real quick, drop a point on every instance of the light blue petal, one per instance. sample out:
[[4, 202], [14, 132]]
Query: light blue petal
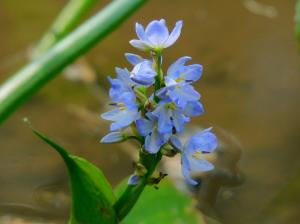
[[125, 120], [164, 119], [178, 121], [133, 180], [122, 118], [118, 87], [128, 98], [143, 73], [144, 126], [124, 76], [157, 33], [139, 44], [140, 32], [194, 108], [173, 70], [176, 143], [199, 165], [113, 137], [205, 140], [112, 115], [133, 59], [183, 94], [186, 171], [154, 141], [192, 72], [174, 35]]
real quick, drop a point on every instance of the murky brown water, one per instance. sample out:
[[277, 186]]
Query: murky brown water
[[250, 88]]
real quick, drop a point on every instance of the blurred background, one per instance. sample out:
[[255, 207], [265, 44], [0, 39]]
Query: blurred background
[[250, 89]]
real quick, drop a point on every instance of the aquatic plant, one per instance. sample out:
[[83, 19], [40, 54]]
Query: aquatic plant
[[156, 105], [151, 107]]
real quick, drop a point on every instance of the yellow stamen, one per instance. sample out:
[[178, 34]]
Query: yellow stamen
[[122, 108], [171, 106], [121, 104], [196, 157], [198, 152], [179, 79]]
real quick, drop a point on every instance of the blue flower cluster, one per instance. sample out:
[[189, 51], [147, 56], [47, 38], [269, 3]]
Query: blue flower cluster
[[156, 104]]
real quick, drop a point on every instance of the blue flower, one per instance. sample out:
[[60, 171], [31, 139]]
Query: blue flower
[[169, 116], [120, 85], [178, 79], [125, 113], [153, 139], [192, 159], [156, 36]]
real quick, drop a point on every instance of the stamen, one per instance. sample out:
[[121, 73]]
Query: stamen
[[121, 104], [196, 157], [179, 79]]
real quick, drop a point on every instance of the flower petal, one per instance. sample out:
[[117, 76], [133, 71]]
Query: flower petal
[[205, 140], [154, 141], [140, 32], [178, 121], [193, 108], [144, 126], [139, 44], [113, 137], [185, 168], [192, 72], [133, 59], [157, 33], [176, 143], [173, 70], [183, 94], [199, 165], [174, 35], [164, 119]]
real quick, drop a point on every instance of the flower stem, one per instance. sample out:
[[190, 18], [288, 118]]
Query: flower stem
[[131, 194], [158, 79]]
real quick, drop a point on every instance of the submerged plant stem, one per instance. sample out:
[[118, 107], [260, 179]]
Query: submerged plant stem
[[132, 192]]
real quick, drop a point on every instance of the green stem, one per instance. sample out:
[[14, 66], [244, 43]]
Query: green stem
[[132, 193], [158, 79], [32, 77], [297, 21], [65, 23]]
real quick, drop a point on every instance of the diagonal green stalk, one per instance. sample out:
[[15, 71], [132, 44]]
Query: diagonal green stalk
[[65, 23], [297, 21], [132, 193], [32, 77]]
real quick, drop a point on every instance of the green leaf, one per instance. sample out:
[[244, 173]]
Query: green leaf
[[92, 195], [163, 205]]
